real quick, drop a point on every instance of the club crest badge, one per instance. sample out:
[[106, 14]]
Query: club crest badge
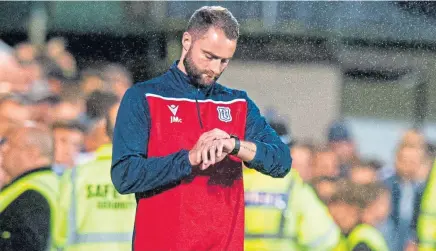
[[224, 114]]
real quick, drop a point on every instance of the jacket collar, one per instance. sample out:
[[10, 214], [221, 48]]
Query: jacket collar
[[104, 152]]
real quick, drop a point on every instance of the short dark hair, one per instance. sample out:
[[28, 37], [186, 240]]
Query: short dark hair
[[98, 104], [217, 17], [349, 193], [373, 164]]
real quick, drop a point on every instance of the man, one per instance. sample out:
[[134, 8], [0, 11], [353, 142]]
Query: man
[[69, 137], [340, 141], [13, 110], [117, 79], [405, 189], [72, 103], [173, 146], [325, 163], [93, 214], [364, 171], [347, 206], [97, 105], [28, 202], [285, 214], [302, 159]]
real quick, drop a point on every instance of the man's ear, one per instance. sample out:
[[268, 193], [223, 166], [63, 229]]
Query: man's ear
[[186, 41]]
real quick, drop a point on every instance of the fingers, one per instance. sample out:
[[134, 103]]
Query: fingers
[[212, 153], [219, 148], [214, 134]]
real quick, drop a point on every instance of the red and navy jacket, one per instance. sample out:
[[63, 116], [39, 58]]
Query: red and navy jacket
[[179, 207]]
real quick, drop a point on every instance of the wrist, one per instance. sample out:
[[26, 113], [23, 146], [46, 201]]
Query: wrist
[[192, 158]]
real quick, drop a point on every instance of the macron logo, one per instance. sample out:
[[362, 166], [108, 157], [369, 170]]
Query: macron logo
[[173, 109], [174, 118]]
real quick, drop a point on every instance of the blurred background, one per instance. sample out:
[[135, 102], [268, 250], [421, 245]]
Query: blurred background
[[356, 76]]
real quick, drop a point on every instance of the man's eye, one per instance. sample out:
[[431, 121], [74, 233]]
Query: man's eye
[[209, 56]]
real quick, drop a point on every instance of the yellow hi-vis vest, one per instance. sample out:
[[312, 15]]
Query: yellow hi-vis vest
[[94, 216], [342, 244], [426, 225], [44, 182], [285, 214], [369, 235]]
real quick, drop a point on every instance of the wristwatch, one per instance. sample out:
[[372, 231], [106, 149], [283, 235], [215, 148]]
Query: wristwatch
[[237, 145]]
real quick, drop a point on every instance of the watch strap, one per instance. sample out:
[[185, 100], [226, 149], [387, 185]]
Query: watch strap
[[237, 145]]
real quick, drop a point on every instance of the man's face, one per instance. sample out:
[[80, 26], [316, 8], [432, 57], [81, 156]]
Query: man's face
[[344, 150], [15, 152], [325, 164], [208, 56], [378, 210], [325, 190], [14, 112], [408, 162], [346, 216], [67, 145], [363, 175], [301, 161]]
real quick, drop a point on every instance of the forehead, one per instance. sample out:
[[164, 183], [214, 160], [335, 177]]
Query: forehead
[[66, 131], [216, 42]]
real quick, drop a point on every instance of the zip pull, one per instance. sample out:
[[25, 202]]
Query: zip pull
[[198, 108]]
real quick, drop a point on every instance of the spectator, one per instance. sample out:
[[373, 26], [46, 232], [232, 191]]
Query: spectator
[[325, 163], [96, 105], [98, 102], [26, 53], [43, 104], [414, 138], [69, 138], [13, 110], [345, 206], [92, 80], [117, 79], [302, 156], [27, 219], [364, 171], [55, 47], [340, 141], [12, 77], [405, 189], [72, 104], [325, 187], [378, 205]]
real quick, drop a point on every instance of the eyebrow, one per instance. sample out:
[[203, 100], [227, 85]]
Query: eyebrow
[[215, 56]]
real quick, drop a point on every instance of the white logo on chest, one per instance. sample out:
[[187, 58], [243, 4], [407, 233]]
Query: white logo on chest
[[174, 118], [224, 114]]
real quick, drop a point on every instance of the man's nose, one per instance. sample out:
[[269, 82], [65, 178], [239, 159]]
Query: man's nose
[[215, 66]]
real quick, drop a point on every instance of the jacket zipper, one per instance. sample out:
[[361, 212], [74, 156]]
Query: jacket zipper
[[198, 108]]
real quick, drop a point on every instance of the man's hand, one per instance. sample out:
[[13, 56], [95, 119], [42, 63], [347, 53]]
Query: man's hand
[[215, 151], [205, 149]]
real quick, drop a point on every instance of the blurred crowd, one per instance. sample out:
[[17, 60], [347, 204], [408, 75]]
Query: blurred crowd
[[45, 87], [355, 189]]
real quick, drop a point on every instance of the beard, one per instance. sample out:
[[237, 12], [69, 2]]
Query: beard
[[198, 77]]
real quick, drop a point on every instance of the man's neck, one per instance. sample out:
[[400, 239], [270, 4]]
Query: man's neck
[[181, 66]]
